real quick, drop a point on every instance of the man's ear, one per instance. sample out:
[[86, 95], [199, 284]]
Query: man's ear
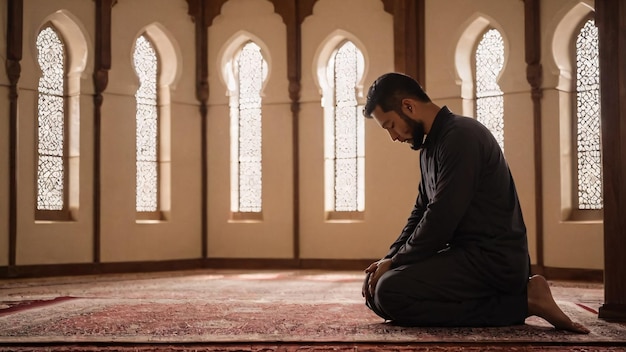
[[407, 106]]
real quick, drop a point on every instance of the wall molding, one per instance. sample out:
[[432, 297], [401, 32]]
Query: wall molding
[[34, 271]]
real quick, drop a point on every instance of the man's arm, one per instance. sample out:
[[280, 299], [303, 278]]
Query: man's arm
[[458, 160], [413, 220]]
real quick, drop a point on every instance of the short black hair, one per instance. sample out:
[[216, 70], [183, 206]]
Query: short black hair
[[388, 90]]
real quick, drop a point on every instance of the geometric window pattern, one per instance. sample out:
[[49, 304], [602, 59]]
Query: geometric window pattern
[[345, 145], [146, 68], [51, 170], [588, 118], [489, 96], [245, 128]]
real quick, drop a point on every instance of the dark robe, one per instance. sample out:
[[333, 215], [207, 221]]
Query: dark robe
[[462, 258]]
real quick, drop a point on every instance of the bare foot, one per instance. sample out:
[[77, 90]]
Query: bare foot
[[542, 304]]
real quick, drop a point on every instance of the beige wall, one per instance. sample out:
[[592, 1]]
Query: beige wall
[[271, 237], [568, 243], [391, 169], [179, 235], [41, 242]]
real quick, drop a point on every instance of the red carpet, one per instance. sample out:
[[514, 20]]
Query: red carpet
[[261, 311]]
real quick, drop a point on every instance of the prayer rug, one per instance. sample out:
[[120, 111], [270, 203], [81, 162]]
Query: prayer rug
[[262, 310]]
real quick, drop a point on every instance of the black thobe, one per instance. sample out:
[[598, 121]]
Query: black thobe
[[462, 259]]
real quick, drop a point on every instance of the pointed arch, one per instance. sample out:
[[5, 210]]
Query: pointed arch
[[169, 54], [579, 116], [156, 60], [245, 69], [227, 55], [62, 55], [564, 36], [464, 57], [340, 72], [323, 56]]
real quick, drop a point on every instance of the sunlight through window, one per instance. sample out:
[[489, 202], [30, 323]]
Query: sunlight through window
[[51, 165], [588, 118], [146, 66], [245, 130], [344, 133], [489, 96]]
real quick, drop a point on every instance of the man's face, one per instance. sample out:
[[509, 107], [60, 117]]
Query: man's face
[[400, 127]]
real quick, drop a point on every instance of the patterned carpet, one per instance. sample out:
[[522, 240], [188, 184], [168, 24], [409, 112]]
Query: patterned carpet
[[257, 311]]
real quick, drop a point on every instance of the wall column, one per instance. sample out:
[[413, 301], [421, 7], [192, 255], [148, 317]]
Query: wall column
[[611, 21]]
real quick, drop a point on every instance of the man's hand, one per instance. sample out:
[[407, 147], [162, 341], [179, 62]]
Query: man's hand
[[375, 271]]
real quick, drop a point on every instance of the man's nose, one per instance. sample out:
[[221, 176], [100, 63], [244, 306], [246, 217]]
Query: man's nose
[[393, 135]]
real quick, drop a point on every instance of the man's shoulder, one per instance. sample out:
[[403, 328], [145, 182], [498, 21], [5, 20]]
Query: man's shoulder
[[460, 124], [452, 130], [464, 124], [463, 133]]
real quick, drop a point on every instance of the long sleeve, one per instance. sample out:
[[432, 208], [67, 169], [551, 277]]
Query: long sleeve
[[416, 216], [467, 198], [450, 181]]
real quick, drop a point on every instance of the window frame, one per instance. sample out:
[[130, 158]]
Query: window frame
[[235, 180], [158, 214], [64, 214], [577, 214], [334, 215], [479, 39]]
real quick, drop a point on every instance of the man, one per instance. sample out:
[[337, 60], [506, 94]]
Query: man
[[462, 258]]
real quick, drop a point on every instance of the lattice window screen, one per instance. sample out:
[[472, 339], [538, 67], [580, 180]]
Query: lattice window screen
[[588, 118], [147, 119], [246, 131], [489, 96], [346, 146], [51, 165]]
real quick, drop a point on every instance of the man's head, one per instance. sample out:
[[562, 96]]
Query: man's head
[[393, 101]]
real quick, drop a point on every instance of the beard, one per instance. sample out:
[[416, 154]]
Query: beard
[[417, 131]]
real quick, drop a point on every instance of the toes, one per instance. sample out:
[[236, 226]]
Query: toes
[[579, 328], [574, 327]]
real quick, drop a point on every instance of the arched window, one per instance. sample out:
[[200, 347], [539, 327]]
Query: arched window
[[489, 96], [147, 130], [587, 123], [52, 136], [344, 146], [249, 72]]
